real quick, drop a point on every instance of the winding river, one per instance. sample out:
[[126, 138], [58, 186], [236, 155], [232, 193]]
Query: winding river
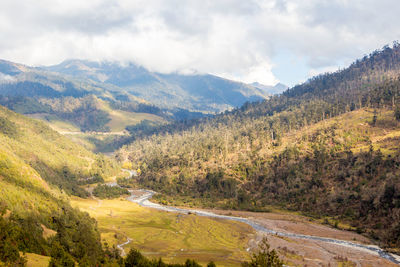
[[144, 201]]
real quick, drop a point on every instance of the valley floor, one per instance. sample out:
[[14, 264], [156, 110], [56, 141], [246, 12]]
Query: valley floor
[[301, 252], [175, 237]]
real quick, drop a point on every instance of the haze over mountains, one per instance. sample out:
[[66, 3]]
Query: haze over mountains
[[199, 92], [203, 93], [83, 96]]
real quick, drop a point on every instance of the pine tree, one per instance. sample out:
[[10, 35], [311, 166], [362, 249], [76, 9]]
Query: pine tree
[[374, 118], [264, 257]]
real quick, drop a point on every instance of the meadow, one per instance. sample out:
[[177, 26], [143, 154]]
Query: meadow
[[174, 237]]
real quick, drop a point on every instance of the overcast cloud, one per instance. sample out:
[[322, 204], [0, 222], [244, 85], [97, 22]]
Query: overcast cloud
[[242, 40]]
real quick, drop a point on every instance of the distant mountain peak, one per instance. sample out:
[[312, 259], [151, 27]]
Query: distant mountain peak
[[11, 68], [271, 89], [191, 90]]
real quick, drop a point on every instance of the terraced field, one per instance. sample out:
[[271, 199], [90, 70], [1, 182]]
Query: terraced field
[[174, 237]]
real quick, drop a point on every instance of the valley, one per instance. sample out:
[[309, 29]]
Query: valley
[[85, 146], [171, 236], [158, 232]]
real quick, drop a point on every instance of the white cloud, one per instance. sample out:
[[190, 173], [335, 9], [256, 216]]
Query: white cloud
[[6, 78], [261, 73], [231, 37]]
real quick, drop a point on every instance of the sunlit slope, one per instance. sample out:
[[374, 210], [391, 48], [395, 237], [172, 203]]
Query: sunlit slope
[[272, 152], [58, 160], [37, 167], [346, 168], [73, 115], [174, 237], [120, 119]]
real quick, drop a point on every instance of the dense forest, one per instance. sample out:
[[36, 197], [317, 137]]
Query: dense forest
[[328, 147], [105, 191]]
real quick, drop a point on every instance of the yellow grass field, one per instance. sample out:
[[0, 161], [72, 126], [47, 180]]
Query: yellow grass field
[[35, 260], [174, 237]]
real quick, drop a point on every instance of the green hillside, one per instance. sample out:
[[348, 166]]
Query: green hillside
[[97, 124], [58, 160], [37, 167], [328, 147], [39, 170]]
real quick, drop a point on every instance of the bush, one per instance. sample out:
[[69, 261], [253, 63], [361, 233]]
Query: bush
[[136, 259], [264, 257], [105, 191], [59, 257]]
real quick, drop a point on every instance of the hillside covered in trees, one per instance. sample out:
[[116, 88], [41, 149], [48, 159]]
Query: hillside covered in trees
[[39, 171], [328, 147], [39, 168]]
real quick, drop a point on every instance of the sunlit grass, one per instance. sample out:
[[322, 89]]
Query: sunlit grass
[[174, 237], [35, 260]]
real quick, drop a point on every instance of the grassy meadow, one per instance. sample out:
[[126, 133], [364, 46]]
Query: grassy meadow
[[35, 260], [174, 237]]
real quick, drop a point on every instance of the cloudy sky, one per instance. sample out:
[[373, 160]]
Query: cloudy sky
[[268, 41]]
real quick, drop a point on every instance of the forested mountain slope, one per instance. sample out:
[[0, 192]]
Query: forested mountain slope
[[84, 99], [328, 147], [58, 160], [54, 97], [37, 168]]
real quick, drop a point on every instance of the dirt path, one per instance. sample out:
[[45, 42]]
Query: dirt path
[[99, 203], [120, 246]]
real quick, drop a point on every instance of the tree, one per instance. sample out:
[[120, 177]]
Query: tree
[[59, 257], [135, 258], [264, 257], [374, 118], [9, 252], [191, 263], [397, 113]]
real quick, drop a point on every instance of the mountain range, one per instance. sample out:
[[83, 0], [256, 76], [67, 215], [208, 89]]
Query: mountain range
[[200, 92], [203, 93], [79, 96]]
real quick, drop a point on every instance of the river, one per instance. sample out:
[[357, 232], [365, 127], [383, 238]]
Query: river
[[144, 201]]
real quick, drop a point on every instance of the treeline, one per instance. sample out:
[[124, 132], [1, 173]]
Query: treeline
[[106, 191], [263, 257], [370, 82], [77, 242], [84, 112], [243, 159], [75, 235], [70, 180], [135, 258]]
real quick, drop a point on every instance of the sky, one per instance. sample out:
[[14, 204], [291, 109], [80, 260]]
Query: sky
[[265, 41]]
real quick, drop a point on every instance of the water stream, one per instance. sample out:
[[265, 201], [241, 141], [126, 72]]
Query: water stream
[[144, 201]]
